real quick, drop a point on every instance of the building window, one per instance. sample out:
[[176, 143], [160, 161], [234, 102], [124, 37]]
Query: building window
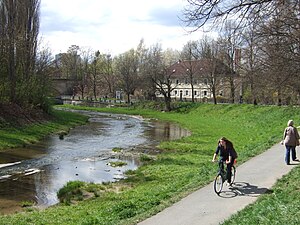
[[205, 93], [176, 92], [195, 93], [186, 92]]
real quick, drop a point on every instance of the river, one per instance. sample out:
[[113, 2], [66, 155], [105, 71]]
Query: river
[[35, 173]]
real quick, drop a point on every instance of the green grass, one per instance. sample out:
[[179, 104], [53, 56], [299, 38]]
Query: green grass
[[280, 206], [182, 167], [11, 137]]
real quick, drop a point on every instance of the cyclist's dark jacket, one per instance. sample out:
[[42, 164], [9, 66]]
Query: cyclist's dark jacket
[[225, 153]]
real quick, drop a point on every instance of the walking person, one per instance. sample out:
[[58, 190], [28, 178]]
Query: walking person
[[290, 140], [227, 154]]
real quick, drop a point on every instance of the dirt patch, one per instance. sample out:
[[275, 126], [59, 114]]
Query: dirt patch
[[15, 115]]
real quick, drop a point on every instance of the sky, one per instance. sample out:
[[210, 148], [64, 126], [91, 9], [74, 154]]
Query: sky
[[113, 26]]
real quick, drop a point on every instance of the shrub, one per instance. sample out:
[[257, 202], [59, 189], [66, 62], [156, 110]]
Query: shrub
[[71, 191]]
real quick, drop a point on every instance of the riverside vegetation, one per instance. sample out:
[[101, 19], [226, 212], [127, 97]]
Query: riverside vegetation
[[182, 167]]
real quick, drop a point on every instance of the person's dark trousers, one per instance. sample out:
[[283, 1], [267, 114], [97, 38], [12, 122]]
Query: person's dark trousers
[[228, 171], [289, 149], [293, 151]]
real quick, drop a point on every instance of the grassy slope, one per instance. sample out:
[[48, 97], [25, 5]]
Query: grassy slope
[[183, 167], [18, 136]]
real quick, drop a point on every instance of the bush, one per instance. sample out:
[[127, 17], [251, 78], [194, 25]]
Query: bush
[[71, 191]]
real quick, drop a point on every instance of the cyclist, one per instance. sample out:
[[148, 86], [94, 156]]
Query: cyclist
[[227, 154]]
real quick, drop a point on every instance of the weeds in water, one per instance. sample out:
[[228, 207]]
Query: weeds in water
[[27, 204], [117, 164]]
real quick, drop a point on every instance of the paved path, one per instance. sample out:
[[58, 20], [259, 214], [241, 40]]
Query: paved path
[[253, 178]]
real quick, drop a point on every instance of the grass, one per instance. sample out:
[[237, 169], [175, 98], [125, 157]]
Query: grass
[[182, 167], [117, 164], [281, 206], [71, 191], [11, 137]]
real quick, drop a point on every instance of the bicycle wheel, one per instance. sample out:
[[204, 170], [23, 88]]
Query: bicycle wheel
[[233, 171], [218, 184]]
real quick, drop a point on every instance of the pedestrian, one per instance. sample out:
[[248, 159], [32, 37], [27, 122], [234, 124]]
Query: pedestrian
[[227, 154], [290, 140]]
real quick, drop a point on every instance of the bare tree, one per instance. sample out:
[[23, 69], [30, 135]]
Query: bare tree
[[209, 52], [127, 68], [19, 31], [107, 75], [278, 46], [230, 54], [277, 27], [190, 51], [94, 73], [251, 66], [149, 68], [84, 73], [163, 82], [189, 55], [214, 12]]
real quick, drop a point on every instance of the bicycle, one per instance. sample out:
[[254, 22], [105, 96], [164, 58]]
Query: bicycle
[[221, 177]]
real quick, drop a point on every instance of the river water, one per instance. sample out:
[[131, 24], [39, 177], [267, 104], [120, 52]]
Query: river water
[[35, 173]]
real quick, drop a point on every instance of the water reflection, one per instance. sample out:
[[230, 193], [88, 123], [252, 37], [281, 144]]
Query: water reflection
[[37, 172]]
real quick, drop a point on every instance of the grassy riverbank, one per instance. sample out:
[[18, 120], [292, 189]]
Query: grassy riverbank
[[183, 167], [61, 121]]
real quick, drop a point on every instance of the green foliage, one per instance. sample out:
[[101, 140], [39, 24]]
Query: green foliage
[[146, 158], [71, 191], [27, 203], [117, 149], [281, 205], [117, 164], [184, 107]]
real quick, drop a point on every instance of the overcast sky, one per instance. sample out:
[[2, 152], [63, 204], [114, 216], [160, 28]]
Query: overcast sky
[[113, 26]]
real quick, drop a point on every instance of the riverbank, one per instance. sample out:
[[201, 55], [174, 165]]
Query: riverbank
[[182, 167], [20, 127]]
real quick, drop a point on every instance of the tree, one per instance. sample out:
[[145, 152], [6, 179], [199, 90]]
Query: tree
[[149, 68], [94, 73], [199, 13], [69, 62], [107, 75], [41, 82], [277, 27], [209, 52], [251, 66], [19, 41], [230, 51], [163, 82], [84, 73], [189, 55], [190, 51], [127, 68]]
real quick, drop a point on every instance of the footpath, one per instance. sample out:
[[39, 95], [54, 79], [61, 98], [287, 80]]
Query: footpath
[[253, 178]]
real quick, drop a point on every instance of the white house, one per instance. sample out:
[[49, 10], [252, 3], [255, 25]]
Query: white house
[[199, 78], [188, 78]]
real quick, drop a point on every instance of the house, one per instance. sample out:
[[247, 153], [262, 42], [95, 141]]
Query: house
[[198, 78]]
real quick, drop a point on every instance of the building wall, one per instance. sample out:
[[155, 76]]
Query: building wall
[[183, 91]]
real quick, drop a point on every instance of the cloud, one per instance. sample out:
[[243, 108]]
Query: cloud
[[112, 26], [166, 16]]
